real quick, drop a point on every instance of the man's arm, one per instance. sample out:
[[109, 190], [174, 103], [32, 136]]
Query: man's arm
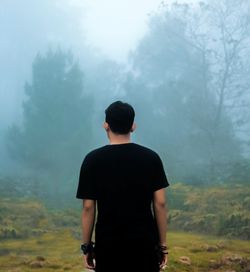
[[88, 219], [160, 211], [88, 222]]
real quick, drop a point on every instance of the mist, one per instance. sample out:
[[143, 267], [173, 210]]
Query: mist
[[184, 66]]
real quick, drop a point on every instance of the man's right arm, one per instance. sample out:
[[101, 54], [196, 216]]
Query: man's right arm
[[160, 212]]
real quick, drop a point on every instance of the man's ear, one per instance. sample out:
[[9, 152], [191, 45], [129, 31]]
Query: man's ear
[[106, 126], [133, 127]]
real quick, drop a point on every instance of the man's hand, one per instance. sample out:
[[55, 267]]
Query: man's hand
[[89, 261], [162, 252], [164, 261]]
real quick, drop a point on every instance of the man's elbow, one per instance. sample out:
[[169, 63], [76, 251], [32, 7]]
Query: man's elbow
[[161, 205], [159, 199], [87, 209], [88, 206]]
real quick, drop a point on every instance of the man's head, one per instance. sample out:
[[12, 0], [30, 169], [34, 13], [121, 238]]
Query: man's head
[[119, 118]]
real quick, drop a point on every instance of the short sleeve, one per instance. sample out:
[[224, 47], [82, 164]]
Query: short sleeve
[[87, 185], [159, 180]]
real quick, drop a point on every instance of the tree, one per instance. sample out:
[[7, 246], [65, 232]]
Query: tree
[[221, 32], [56, 129], [170, 77]]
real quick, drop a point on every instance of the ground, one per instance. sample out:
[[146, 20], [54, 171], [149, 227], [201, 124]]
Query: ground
[[59, 251]]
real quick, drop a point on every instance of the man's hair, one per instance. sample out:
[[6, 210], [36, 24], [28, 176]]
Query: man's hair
[[120, 117]]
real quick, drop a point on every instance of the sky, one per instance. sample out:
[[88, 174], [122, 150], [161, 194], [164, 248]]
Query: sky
[[115, 27], [27, 27]]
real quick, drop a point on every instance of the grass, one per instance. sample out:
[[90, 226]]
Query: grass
[[206, 252], [34, 238], [59, 251], [52, 251]]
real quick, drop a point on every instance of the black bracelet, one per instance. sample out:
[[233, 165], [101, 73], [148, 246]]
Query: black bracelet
[[163, 249], [87, 247]]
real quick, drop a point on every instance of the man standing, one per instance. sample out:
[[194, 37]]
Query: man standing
[[126, 181]]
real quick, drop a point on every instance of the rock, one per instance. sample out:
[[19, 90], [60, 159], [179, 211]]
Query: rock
[[67, 267], [4, 251], [36, 264], [185, 260], [214, 264], [246, 264], [220, 245], [236, 259], [178, 248], [229, 259], [40, 258], [54, 265], [25, 261], [210, 248]]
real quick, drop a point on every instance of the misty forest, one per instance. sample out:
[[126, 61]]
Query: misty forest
[[187, 76]]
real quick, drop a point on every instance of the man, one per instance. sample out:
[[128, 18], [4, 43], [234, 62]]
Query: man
[[126, 181]]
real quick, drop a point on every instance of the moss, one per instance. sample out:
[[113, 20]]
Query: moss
[[59, 251]]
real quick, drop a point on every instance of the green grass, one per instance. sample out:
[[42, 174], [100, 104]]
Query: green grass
[[60, 251], [32, 235], [206, 252]]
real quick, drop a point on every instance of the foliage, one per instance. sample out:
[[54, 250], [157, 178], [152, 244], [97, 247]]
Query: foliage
[[26, 217], [22, 218], [220, 210], [56, 128]]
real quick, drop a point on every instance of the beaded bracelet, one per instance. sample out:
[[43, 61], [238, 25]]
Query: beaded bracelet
[[163, 248]]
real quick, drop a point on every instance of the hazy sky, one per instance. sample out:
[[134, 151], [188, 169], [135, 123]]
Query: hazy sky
[[27, 27], [115, 26]]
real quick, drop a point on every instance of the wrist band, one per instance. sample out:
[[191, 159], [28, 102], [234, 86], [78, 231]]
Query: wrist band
[[163, 249], [87, 248]]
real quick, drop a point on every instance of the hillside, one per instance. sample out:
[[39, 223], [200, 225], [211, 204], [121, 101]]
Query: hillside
[[205, 224]]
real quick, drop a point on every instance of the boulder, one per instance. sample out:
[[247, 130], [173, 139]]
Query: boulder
[[210, 248], [36, 264], [214, 264], [185, 260], [40, 258], [232, 259]]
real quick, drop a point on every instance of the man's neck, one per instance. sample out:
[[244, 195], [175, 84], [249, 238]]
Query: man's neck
[[119, 138]]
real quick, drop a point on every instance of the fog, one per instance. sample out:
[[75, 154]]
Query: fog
[[183, 66]]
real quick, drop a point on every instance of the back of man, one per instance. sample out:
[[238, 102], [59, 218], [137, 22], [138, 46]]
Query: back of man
[[122, 179]]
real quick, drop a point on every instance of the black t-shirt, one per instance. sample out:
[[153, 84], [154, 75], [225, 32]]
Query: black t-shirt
[[122, 178]]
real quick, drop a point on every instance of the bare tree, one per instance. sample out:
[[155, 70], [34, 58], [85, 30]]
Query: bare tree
[[220, 30]]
